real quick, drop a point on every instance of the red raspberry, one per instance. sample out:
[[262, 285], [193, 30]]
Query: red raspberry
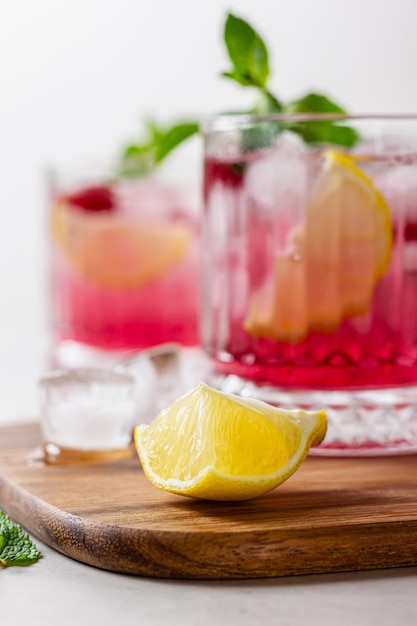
[[230, 174], [94, 199]]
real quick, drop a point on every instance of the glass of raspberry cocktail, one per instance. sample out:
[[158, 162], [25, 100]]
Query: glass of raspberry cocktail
[[123, 266], [310, 269]]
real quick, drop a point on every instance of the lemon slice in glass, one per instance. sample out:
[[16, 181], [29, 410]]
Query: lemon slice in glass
[[219, 446], [118, 253], [347, 242], [330, 269]]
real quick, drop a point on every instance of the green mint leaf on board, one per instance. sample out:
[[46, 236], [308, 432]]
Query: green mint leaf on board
[[16, 547], [247, 52], [138, 159]]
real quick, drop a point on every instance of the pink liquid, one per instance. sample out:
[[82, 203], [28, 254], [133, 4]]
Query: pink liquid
[[377, 349], [163, 309]]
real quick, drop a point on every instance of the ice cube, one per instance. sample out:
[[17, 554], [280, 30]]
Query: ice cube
[[398, 185], [277, 187], [162, 375], [87, 409]]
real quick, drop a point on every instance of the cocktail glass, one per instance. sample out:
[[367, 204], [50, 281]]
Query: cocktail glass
[[124, 268], [309, 274]]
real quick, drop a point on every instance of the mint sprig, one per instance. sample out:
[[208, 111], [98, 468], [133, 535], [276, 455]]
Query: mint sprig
[[140, 158], [16, 547], [250, 68], [250, 60]]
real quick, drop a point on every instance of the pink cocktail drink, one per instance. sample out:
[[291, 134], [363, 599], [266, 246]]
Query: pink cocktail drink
[[310, 271], [375, 349], [124, 266]]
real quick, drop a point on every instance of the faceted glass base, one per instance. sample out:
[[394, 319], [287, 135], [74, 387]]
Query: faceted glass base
[[368, 422], [371, 422]]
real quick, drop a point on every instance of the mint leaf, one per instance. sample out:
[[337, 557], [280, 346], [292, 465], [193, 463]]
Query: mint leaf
[[243, 80], [139, 159], [247, 52], [249, 56], [16, 547], [260, 136], [173, 137], [136, 161], [267, 103], [313, 103], [325, 131]]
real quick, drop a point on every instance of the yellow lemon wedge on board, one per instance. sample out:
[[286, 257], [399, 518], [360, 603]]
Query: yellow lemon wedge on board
[[330, 268], [219, 446], [114, 252]]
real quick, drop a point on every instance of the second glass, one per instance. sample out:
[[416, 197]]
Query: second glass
[[124, 271], [310, 270]]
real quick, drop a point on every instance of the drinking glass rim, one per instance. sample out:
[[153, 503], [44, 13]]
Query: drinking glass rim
[[229, 121]]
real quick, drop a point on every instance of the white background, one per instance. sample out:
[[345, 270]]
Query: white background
[[78, 76]]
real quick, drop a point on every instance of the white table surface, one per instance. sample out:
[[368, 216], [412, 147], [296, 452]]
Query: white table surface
[[62, 591], [58, 590]]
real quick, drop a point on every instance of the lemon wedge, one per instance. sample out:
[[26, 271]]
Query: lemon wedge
[[219, 446], [117, 253], [330, 268], [347, 243]]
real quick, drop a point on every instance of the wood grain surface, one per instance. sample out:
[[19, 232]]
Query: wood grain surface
[[333, 514]]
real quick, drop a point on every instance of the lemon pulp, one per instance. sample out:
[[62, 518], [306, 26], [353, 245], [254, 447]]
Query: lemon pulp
[[219, 446], [117, 253]]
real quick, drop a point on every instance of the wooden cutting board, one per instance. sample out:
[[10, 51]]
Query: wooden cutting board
[[332, 515]]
